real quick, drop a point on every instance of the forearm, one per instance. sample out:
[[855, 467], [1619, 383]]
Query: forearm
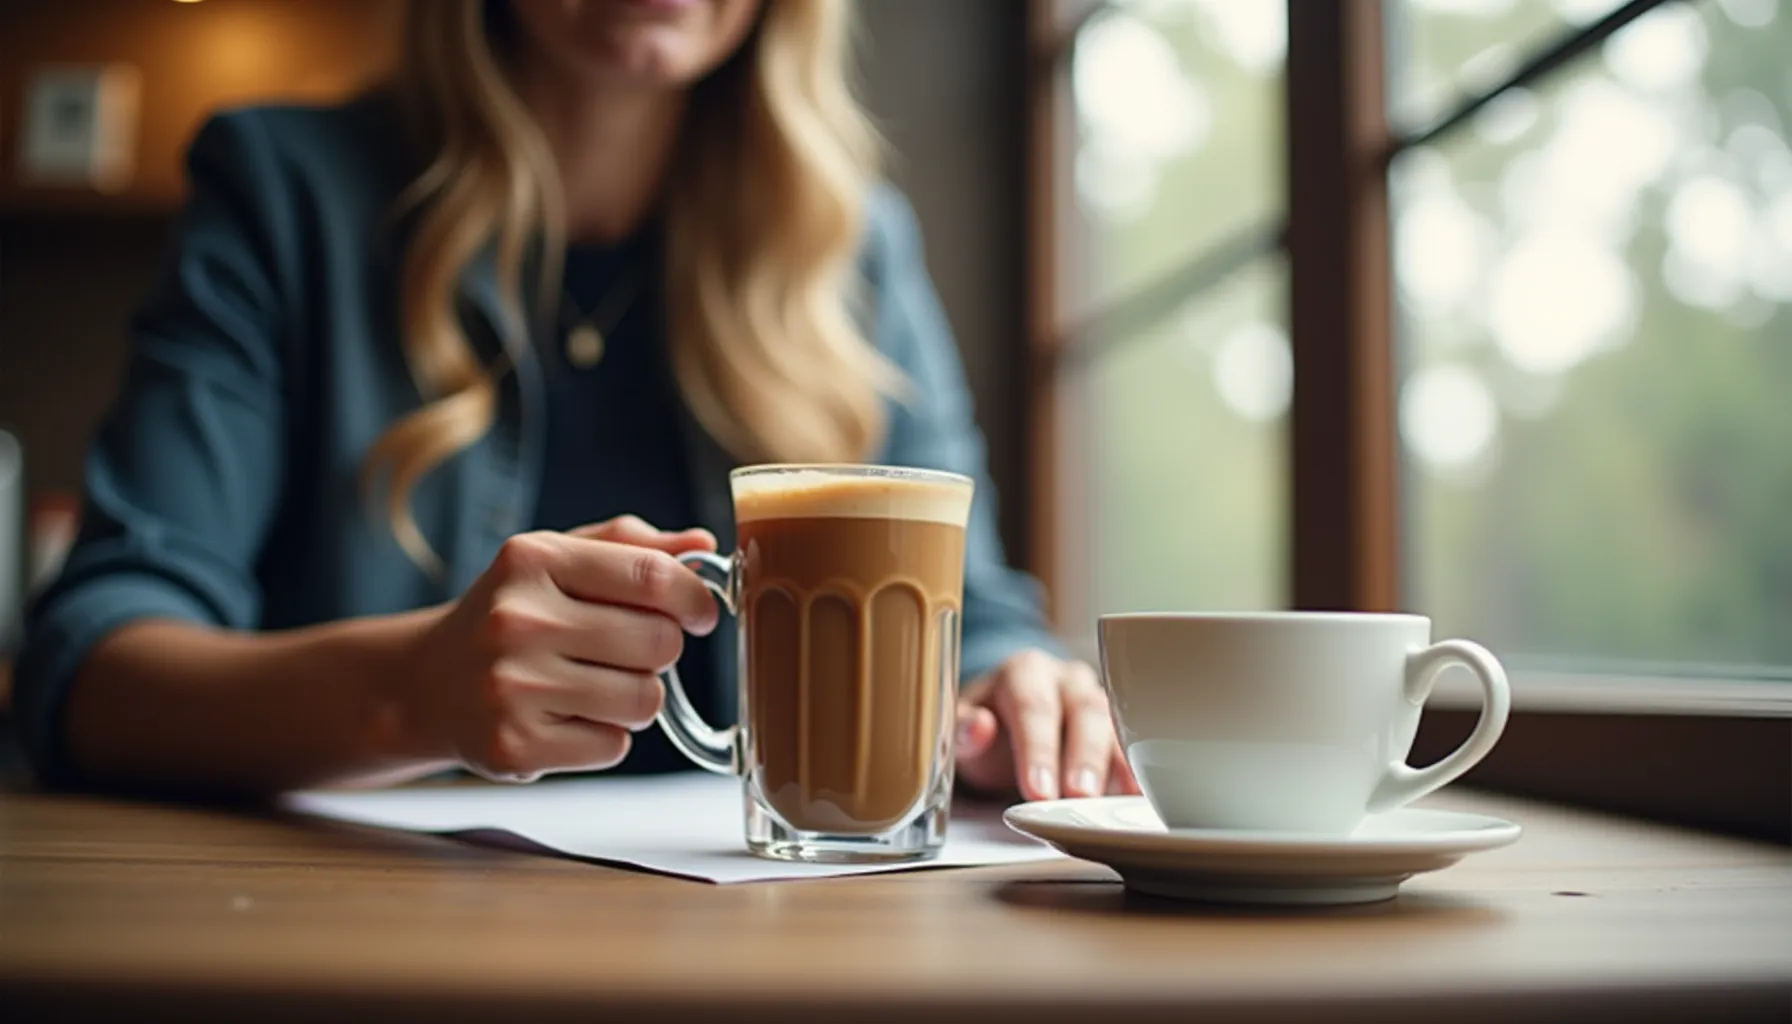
[[170, 706]]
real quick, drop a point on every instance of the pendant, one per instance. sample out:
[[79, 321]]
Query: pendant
[[584, 346]]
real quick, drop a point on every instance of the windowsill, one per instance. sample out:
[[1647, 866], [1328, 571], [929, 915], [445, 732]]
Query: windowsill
[[1588, 693]]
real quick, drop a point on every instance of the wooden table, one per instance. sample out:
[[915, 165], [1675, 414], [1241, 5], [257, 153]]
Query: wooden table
[[120, 910]]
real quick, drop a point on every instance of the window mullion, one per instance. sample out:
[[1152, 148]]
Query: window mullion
[[1344, 461]]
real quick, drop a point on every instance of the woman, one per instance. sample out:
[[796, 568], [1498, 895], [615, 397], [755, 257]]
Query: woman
[[359, 304]]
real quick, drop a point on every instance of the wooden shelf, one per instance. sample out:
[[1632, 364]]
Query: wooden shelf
[[22, 204]]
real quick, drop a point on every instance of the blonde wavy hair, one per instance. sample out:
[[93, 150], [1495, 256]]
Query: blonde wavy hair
[[762, 214]]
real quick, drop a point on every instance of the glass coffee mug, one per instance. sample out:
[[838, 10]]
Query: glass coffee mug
[[848, 583]]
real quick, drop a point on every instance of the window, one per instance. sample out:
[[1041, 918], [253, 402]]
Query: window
[[1544, 399], [1171, 357], [1594, 278]]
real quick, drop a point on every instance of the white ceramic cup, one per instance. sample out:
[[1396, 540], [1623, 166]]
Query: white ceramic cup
[[1284, 721]]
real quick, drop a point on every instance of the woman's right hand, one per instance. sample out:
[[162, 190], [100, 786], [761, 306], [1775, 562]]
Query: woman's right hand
[[552, 657]]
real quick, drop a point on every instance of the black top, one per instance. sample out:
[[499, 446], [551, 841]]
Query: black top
[[595, 466]]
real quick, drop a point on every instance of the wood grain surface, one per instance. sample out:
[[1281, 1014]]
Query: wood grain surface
[[121, 910]]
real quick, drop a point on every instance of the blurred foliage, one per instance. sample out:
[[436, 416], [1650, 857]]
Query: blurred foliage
[[1646, 516]]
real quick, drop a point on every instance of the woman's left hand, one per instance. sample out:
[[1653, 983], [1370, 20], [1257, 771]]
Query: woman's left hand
[[1039, 725]]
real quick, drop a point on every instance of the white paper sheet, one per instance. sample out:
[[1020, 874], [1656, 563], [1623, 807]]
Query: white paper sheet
[[687, 825]]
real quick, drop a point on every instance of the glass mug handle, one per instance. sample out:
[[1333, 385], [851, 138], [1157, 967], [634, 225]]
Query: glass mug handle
[[1403, 783], [715, 749]]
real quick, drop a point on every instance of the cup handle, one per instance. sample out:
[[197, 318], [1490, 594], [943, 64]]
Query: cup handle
[[715, 749], [1404, 783]]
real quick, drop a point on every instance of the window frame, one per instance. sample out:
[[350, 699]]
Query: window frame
[[1706, 753]]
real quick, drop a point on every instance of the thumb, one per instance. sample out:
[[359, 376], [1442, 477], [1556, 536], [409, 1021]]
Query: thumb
[[634, 530]]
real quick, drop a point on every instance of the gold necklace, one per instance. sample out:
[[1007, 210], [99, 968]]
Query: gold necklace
[[586, 341]]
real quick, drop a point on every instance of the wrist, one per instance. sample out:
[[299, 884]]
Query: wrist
[[405, 729]]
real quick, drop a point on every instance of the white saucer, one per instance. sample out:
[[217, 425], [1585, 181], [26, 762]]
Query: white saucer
[[1224, 866]]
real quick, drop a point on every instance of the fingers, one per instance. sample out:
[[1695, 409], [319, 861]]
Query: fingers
[[579, 745], [977, 731], [640, 533], [524, 751], [602, 572], [1120, 777], [619, 637], [1088, 732], [569, 631], [604, 634], [1041, 726], [551, 714], [546, 687], [606, 696], [1029, 703]]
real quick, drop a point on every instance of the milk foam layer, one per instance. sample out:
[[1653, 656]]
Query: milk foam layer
[[815, 494]]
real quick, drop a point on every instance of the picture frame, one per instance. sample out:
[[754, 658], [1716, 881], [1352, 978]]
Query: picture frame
[[79, 126]]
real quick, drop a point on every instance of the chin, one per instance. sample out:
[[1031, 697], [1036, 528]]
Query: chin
[[646, 59], [660, 43]]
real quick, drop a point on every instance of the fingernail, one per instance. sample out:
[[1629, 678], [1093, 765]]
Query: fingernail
[[1040, 778], [1082, 782]]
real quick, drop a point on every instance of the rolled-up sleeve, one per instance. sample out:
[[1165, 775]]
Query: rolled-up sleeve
[[182, 478], [934, 428]]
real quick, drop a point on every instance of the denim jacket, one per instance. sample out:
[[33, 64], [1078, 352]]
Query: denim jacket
[[222, 487]]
